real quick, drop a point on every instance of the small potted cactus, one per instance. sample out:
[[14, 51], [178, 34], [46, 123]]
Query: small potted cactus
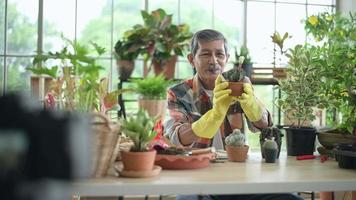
[[270, 150], [235, 146], [235, 76]]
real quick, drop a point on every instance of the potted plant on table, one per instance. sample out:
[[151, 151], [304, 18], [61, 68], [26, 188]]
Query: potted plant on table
[[270, 133], [334, 37], [247, 63], [235, 146], [152, 91], [139, 129], [235, 78], [270, 150], [300, 94]]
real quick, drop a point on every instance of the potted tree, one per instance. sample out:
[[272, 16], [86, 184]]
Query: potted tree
[[236, 148], [235, 78], [335, 40], [300, 94], [152, 91], [126, 52], [166, 41], [139, 129], [247, 63]]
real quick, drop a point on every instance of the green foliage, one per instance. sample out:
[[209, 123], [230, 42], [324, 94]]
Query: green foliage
[[301, 89], [139, 129], [243, 52], [336, 60], [76, 84], [157, 39], [236, 138], [154, 87], [270, 144]]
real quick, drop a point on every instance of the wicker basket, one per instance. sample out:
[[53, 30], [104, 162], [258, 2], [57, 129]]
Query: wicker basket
[[106, 143]]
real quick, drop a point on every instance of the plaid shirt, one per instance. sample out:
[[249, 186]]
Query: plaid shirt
[[188, 101]]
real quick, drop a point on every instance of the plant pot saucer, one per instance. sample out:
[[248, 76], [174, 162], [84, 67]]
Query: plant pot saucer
[[140, 174]]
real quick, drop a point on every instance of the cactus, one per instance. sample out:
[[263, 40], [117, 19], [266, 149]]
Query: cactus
[[236, 73], [236, 138], [270, 144]]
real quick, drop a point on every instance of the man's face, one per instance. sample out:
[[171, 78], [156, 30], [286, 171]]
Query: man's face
[[209, 60]]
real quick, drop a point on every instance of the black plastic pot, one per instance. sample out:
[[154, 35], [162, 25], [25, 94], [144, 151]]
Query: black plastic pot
[[300, 141], [346, 158]]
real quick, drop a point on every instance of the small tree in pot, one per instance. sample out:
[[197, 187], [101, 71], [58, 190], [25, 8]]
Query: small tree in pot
[[300, 94], [235, 146]]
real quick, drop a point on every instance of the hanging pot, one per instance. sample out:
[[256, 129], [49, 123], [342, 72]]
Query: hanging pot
[[125, 68]]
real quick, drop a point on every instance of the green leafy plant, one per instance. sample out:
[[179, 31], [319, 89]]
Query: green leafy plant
[[168, 39], [125, 49], [236, 138], [279, 41], [154, 87], [139, 129], [335, 40], [76, 81], [243, 52], [301, 89]]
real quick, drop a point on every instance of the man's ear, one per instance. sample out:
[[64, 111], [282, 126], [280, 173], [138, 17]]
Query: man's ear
[[190, 59]]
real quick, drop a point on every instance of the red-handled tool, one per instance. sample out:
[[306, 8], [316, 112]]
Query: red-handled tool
[[323, 158], [306, 157]]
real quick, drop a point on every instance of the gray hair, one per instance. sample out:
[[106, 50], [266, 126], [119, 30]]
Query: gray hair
[[206, 35]]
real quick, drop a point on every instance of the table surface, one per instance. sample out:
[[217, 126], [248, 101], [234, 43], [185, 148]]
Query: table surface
[[253, 176]]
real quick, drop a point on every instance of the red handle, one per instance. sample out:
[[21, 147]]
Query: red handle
[[306, 157]]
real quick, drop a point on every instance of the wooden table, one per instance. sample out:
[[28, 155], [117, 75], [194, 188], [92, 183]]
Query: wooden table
[[253, 176]]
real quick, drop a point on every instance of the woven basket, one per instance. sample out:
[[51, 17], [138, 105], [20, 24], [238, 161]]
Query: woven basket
[[106, 143]]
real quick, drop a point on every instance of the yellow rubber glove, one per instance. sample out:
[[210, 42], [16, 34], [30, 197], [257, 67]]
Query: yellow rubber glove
[[249, 104], [210, 122]]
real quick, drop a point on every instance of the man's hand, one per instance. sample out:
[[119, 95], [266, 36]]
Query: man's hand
[[249, 104], [210, 122]]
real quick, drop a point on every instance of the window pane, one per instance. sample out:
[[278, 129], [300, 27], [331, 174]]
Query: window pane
[[2, 23], [59, 18], [322, 2], [314, 10], [229, 20], [292, 1], [1, 74], [259, 30], [22, 26], [292, 24], [184, 69], [198, 14], [126, 9], [18, 78], [170, 6], [94, 23]]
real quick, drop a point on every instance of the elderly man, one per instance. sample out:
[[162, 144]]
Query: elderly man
[[202, 111]]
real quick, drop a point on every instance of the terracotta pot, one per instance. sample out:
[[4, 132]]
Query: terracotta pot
[[125, 68], [167, 68], [138, 161], [237, 88], [237, 154], [154, 107]]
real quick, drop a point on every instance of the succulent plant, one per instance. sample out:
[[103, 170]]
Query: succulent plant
[[236, 73], [270, 144], [236, 138]]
